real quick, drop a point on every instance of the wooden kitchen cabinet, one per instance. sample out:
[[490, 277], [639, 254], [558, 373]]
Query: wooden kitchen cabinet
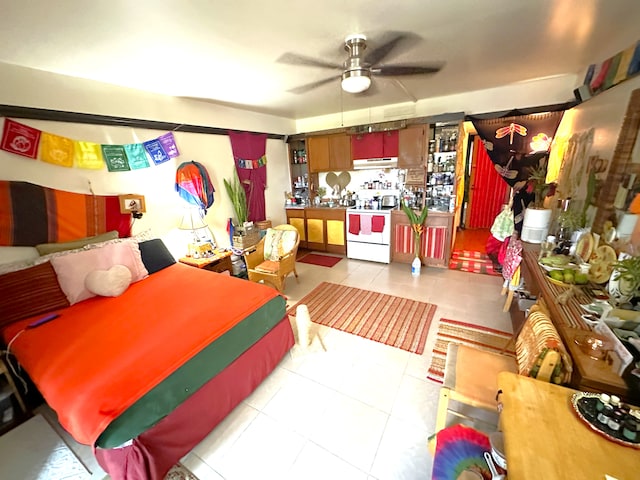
[[328, 153], [295, 217], [412, 146], [435, 248], [323, 228]]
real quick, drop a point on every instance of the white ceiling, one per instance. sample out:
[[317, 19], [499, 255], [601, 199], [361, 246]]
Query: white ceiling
[[226, 51]]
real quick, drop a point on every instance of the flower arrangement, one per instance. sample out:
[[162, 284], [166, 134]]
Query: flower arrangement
[[417, 223]]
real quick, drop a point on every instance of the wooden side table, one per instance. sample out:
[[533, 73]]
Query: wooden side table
[[217, 263], [5, 371]]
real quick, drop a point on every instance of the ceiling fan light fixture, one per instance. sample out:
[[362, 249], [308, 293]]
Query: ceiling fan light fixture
[[356, 81]]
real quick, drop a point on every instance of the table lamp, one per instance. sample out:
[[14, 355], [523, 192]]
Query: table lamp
[[200, 242]]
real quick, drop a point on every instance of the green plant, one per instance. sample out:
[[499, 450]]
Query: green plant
[[322, 192], [238, 199], [417, 223], [629, 269], [537, 184]]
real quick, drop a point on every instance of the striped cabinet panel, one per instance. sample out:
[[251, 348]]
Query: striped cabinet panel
[[433, 241]]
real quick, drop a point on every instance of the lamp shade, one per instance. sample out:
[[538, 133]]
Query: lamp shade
[[192, 220], [356, 81]]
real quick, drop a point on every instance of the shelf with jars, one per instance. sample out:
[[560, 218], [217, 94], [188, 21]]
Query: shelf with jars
[[299, 171], [441, 168]]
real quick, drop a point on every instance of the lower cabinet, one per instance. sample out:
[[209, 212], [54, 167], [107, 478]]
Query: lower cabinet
[[435, 247], [323, 229]]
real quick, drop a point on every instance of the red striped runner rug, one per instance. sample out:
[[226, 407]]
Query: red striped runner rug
[[396, 321], [465, 334], [471, 261]]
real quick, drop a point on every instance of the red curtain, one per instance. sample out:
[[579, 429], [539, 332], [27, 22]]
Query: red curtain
[[489, 190]]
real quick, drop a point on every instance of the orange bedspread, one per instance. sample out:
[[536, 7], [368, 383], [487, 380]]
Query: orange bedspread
[[103, 354]]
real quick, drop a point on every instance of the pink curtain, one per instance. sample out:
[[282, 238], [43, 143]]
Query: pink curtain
[[249, 158]]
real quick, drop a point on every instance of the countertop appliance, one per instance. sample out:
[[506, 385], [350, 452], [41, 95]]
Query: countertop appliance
[[369, 234], [389, 201]]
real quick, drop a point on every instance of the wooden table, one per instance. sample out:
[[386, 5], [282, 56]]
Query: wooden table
[[588, 374], [545, 439], [220, 262]]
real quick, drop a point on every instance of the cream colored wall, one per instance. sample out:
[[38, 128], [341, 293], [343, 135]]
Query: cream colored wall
[[157, 183], [546, 91], [595, 125]]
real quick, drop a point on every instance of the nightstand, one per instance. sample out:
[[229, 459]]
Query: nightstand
[[220, 262], [8, 389]]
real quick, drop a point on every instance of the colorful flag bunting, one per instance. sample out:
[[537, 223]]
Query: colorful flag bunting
[[20, 139], [136, 155], [115, 158], [88, 155], [155, 150], [168, 142], [56, 150]]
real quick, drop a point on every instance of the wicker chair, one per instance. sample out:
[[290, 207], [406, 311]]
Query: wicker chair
[[273, 272]]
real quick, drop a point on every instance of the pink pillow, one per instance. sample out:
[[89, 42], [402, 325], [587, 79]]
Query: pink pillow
[[72, 269]]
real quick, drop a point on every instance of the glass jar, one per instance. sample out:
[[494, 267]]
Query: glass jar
[[603, 400], [605, 414], [615, 421], [630, 429]]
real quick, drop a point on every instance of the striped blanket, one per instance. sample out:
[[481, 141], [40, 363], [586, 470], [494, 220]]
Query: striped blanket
[[31, 214]]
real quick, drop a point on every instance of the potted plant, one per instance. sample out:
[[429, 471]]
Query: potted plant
[[417, 225], [625, 279], [537, 218], [238, 199]]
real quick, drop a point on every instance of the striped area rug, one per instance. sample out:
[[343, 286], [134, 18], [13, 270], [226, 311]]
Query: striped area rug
[[471, 261], [465, 334], [399, 322]]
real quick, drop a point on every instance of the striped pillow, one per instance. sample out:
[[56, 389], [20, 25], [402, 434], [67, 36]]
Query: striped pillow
[[28, 292]]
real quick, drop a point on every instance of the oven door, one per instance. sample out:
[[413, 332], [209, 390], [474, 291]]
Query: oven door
[[370, 227]]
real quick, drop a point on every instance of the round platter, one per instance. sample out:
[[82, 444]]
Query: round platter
[[584, 404], [584, 247]]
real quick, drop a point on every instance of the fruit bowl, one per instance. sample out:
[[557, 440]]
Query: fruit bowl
[[567, 277]]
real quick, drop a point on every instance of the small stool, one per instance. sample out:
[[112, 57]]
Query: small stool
[[4, 371]]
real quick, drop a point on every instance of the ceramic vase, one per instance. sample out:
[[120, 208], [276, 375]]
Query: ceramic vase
[[620, 289]]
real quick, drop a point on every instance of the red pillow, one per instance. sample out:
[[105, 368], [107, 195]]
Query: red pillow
[[29, 292]]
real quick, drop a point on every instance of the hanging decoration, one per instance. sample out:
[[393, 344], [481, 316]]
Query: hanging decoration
[[517, 145], [56, 149], [193, 184], [115, 158], [30, 142], [20, 139], [88, 155], [251, 164]]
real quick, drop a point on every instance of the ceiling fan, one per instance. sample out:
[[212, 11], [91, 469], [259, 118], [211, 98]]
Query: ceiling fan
[[358, 68]]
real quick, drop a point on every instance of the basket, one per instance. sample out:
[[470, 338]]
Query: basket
[[250, 238], [263, 224]]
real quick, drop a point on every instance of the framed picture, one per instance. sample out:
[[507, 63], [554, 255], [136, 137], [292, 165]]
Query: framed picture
[[132, 203]]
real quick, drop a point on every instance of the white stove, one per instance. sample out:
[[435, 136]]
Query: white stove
[[369, 234]]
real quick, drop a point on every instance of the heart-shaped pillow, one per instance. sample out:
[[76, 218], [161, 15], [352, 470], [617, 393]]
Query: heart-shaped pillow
[[108, 283]]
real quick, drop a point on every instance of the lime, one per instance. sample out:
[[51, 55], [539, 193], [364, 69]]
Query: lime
[[557, 275]]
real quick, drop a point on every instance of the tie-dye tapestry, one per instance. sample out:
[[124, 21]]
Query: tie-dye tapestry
[[251, 164], [517, 144]]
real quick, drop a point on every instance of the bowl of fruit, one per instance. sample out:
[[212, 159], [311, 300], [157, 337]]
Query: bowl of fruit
[[567, 277]]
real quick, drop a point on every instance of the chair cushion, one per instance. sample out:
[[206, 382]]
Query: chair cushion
[[268, 266], [277, 243], [473, 372]]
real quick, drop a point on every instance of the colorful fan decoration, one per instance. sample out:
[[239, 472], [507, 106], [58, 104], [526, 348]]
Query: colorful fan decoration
[[460, 454], [194, 185]]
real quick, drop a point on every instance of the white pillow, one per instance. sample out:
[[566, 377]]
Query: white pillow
[[109, 283], [17, 254], [73, 268]]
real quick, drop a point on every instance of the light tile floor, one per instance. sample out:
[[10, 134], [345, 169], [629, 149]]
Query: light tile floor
[[360, 410]]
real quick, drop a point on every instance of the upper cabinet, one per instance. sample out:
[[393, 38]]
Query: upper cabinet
[[412, 146], [374, 145], [327, 153]]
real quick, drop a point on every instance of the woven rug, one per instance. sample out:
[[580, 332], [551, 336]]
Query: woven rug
[[473, 262], [399, 322], [465, 334], [318, 259]]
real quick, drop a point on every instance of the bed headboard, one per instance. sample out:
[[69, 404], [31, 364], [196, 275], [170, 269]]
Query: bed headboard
[[31, 214]]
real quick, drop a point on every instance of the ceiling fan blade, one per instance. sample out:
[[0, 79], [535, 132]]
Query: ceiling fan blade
[[393, 70], [295, 59], [379, 53], [310, 86]]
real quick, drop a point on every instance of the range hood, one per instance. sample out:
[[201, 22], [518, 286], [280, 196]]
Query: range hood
[[369, 163]]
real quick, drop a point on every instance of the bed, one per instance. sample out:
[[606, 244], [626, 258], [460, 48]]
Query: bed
[[143, 376]]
